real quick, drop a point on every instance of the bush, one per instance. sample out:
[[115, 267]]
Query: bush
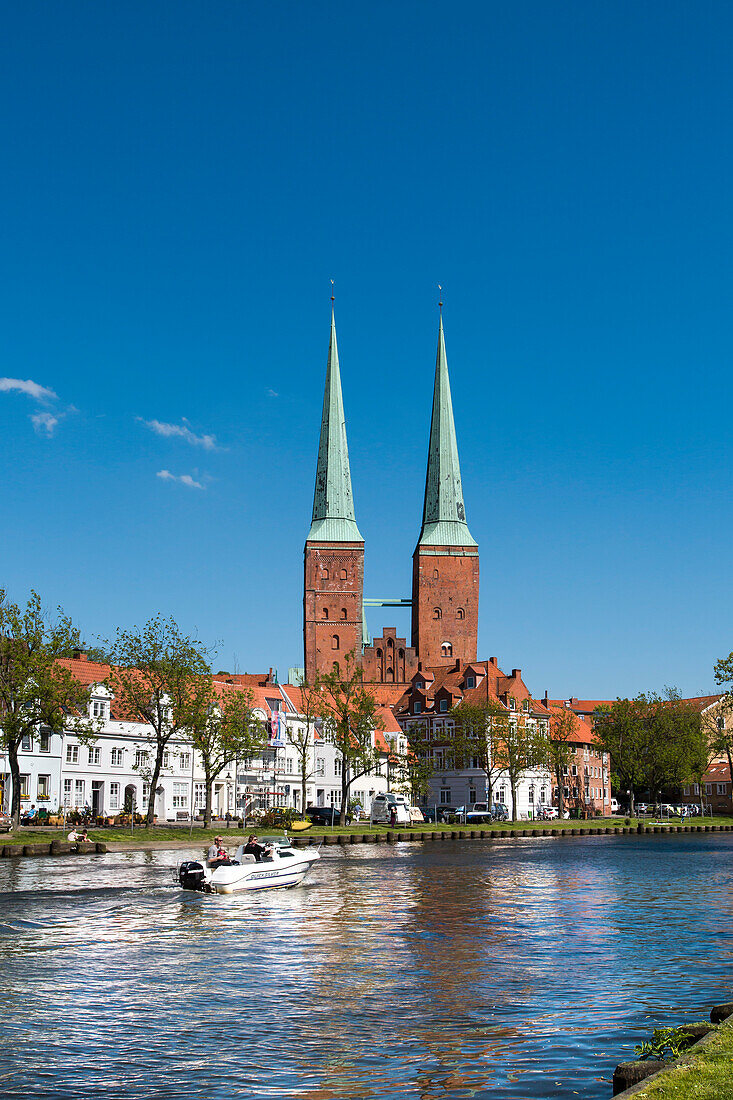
[[627, 821]]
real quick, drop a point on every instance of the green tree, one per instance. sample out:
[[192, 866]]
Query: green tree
[[654, 741], [155, 674], [562, 732], [303, 736], [35, 689], [479, 732], [223, 730], [349, 711], [521, 749], [723, 734]]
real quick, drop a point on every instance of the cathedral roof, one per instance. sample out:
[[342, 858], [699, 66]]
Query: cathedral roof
[[444, 514], [333, 502]]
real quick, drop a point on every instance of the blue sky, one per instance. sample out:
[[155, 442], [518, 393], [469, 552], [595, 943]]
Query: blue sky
[[180, 182]]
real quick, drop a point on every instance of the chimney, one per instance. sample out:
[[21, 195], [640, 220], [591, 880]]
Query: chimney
[[517, 673], [492, 661], [458, 664]]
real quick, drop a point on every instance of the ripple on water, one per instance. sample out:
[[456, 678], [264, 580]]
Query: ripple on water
[[524, 969]]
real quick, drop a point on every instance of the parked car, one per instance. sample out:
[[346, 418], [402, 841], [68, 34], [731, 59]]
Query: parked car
[[547, 813], [444, 812], [477, 813], [614, 806], [326, 815], [430, 813], [643, 808], [500, 812]]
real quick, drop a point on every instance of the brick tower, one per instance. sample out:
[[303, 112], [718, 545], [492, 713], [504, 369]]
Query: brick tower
[[334, 548], [445, 562]]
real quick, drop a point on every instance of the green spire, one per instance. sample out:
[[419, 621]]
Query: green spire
[[444, 515], [333, 504]]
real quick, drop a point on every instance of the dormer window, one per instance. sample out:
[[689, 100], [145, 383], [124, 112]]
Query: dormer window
[[419, 685], [443, 706], [470, 681], [100, 708], [417, 707], [512, 703]]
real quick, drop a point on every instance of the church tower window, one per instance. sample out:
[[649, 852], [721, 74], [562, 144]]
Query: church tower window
[[335, 641], [446, 649], [437, 613], [324, 613]]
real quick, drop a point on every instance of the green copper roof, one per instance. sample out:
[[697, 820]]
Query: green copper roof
[[333, 503], [444, 515]]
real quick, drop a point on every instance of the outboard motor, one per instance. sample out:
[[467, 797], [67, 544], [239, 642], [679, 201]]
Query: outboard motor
[[191, 875]]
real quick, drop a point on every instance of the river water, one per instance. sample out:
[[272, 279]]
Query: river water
[[516, 969]]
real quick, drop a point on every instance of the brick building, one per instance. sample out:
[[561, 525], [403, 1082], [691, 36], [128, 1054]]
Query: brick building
[[445, 573]]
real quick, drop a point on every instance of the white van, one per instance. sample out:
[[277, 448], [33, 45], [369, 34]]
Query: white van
[[384, 804]]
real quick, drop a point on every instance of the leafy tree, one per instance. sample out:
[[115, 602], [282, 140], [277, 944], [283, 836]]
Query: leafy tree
[[521, 748], [350, 716], [723, 735], [654, 741], [35, 689], [303, 737], [223, 729], [155, 674], [563, 732], [480, 730]]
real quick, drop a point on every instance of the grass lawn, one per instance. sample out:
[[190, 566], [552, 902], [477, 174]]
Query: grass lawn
[[123, 834], [709, 1076]]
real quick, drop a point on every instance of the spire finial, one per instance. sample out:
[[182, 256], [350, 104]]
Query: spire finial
[[440, 299], [333, 298]]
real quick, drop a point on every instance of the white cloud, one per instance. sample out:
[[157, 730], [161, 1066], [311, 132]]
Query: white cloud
[[44, 422], [272, 393], [183, 479], [30, 388], [180, 431]]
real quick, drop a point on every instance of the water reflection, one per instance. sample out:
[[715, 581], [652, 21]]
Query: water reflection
[[517, 969]]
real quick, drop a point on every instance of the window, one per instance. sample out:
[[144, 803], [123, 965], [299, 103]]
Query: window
[[721, 723], [337, 767], [722, 788], [379, 653], [180, 796], [470, 681], [344, 575], [525, 705], [72, 754], [199, 795], [146, 793], [320, 766], [94, 755], [474, 763], [26, 744], [185, 761], [24, 786], [44, 788], [436, 575], [166, 760], [324, 613], [99, 708], [44, 741], [141, 758], [335, 641], [446, 649], [574, 769], [472, 795], [67, 792], [416, 707], [708, 788], [78, 792], [460, 613], [289, 765], [512, 703], [344, 614], [419, 685], [437, 613], [502, 794], [445, 796], [114, 796], [443, 705], [325, 573], [116, 758]]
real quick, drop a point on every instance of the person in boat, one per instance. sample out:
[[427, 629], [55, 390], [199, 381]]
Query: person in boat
[[259, 851], [216, 855]]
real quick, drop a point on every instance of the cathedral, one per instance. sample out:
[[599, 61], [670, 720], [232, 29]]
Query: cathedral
[[445, 574]]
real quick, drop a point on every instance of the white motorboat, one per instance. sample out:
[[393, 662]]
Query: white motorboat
[[285, 866]]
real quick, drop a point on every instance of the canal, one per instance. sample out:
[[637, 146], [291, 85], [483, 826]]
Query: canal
[[516, 969]]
